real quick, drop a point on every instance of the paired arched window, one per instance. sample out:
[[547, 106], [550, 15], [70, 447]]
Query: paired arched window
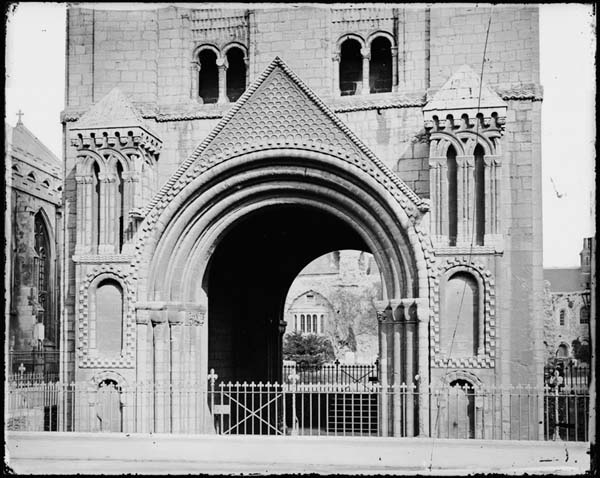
[[42, 279], [476, 231], [380, 66], [108, 220], [109, 317], [366, 68], [351, 67], [221, 77], [459, 330]]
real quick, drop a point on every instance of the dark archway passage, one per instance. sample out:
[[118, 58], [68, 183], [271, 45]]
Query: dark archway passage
[[248, 278]]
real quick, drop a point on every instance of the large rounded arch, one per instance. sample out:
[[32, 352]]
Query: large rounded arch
[[192, 224]]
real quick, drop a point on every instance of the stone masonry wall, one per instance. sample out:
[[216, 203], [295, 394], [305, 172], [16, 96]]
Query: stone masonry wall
[[148, 54]]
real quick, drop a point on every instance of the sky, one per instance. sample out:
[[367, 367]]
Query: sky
[[35, 83]]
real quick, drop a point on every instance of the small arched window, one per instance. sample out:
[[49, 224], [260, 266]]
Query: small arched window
[[380, 66], [109, 317], [236, 74], [460, 326], [208, 81], [479, 195], [563, 351], [584, 315], [120, 207], [350, 68], [96, 205], [561, 317], [452, 196]]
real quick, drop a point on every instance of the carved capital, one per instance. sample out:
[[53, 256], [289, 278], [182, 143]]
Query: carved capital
[[222, 63], [84, 179], [107, 178], [366, 53], [335, 57]]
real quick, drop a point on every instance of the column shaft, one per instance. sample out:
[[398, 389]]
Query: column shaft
[[366, 88], [383, 368], [397, 380], [222, 69]]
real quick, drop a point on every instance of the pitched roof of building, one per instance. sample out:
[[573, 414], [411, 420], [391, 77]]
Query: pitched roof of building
[[25, 146], [563, 279]]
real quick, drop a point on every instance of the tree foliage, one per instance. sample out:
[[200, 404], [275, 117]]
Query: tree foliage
[[307, 349]]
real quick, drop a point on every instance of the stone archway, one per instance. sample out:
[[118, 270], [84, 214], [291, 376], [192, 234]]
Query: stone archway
[[234, 225]]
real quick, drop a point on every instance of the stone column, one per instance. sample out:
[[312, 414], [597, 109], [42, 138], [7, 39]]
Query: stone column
[[410, 371], [462, 200], [366, 56], [395, 68], [423, 365], [107, 214], [83, 236], [336, 74], [397, 405], [470, 205], [176, 345], [194, 74], [161, 372], [222, 68], [437, 181], [142, 372]]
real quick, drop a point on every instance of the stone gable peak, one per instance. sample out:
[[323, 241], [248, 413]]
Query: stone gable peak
[[461, 90], [115, 110]]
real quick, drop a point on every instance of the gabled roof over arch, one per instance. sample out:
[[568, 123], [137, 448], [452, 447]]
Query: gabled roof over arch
[[279, 111]]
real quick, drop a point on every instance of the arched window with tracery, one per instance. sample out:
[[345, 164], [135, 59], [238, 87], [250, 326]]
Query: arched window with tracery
[[459, 328], [236, 73], [42, 281], [452, 195], [208, 80], [351, 77], [479, 199], [380, 66]]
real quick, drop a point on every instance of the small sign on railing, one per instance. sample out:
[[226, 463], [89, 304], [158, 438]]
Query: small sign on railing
[[222, 409]]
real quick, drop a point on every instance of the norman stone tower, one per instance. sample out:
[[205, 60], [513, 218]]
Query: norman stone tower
[[211, 153]]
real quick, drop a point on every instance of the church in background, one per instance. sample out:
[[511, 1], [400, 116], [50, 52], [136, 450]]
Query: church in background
[[33, 234]]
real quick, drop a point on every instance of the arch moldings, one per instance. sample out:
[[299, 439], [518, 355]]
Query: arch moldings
[[487, 320], [313, 164], [85, 352]]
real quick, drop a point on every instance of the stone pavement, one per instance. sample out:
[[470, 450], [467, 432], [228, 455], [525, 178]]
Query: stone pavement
[[60, 453]]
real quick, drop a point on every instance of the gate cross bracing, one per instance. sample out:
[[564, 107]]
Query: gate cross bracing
[[293, 408]]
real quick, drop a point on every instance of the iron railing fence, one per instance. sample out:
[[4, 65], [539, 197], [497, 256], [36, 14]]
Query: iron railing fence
[[33, 362], [574, 376], [517, 413], [334, 373], [26, 379]]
